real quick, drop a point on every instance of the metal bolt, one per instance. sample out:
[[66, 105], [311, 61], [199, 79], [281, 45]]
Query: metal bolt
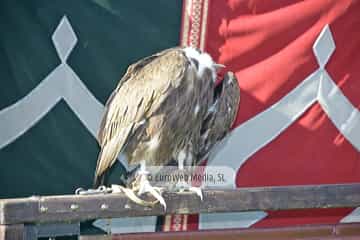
[[43, 209], [74, 207], [104, 206]]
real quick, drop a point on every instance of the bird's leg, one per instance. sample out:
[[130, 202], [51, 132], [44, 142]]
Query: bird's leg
[[182, 184], [145, 186]]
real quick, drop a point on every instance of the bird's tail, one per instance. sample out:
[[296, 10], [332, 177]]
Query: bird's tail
[[99, 176], [99, 180]]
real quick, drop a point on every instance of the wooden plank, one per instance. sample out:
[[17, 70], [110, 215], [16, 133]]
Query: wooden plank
[[12, 232], [298, 232], [350, 229], [84, 207], [22, 209]]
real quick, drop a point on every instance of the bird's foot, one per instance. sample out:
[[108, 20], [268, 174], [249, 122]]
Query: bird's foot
[[198, 192], [132, 196], [184, 186], [99, 190], [145, 187]]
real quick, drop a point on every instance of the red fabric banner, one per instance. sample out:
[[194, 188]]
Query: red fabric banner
[[269, 45]]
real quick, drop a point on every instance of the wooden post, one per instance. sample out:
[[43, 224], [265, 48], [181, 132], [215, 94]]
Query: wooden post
[[12, 232]]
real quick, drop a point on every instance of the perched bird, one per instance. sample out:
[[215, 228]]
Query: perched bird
[[155, 111], [221, 115], [216, 125]]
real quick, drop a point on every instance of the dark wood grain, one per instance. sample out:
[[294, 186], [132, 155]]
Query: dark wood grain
[[77, 208]]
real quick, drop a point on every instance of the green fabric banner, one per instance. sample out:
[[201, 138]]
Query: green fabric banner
[[51, 96]]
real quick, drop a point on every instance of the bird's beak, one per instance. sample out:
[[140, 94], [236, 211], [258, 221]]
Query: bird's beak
[[218, 66]]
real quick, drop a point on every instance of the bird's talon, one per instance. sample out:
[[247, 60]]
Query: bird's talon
[[163, 203], [117, 188], [145, 187], [183, 186], [160, 190], [198, 192]]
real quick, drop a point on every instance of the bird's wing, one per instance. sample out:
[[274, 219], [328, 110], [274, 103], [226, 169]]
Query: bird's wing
[[130, 72], [144, 86]]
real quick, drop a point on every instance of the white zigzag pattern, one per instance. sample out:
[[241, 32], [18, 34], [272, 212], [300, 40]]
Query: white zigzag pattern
[[61, 83], [254, 134], [319, 87]]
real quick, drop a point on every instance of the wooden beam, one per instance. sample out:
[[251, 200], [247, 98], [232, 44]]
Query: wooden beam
[[84, 207], [19, 208], [330, 232]]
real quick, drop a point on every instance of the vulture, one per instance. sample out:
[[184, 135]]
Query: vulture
[[155, 113]]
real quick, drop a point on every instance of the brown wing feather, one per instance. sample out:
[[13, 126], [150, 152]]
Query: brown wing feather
[[130, 72], [137, 96]]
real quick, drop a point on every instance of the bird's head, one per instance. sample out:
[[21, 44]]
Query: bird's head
[[203, 62]]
